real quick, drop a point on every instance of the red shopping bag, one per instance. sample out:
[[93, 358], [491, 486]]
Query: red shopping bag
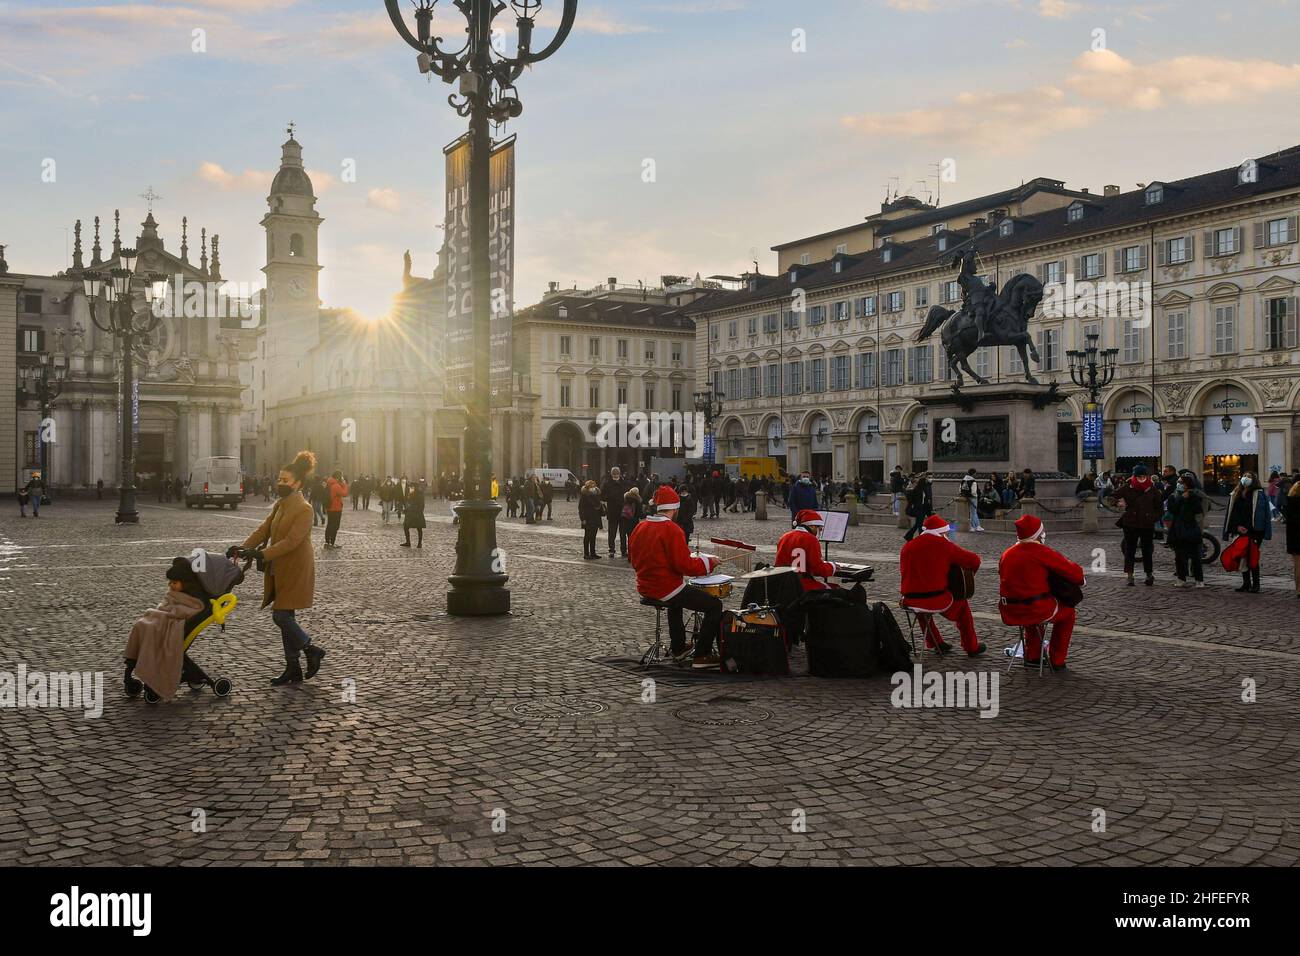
[[1241, 549]]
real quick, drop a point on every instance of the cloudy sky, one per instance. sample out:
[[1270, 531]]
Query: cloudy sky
[[766, 121]]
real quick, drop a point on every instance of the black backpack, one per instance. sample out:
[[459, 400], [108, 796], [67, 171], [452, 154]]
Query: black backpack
[[892, 650]]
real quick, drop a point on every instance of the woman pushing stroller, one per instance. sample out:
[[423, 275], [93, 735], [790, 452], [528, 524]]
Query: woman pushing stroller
[[283, 544]]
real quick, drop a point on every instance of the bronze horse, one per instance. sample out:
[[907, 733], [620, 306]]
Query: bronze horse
[[1006, 323]]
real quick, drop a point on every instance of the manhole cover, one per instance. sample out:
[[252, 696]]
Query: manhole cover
[[722, 712], [558, 707]]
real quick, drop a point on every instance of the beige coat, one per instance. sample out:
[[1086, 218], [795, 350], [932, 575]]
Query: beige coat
[[157, 642], [285, 540]]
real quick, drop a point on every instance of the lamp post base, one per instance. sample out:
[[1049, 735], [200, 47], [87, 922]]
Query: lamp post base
[[478, 583], [127, 517]]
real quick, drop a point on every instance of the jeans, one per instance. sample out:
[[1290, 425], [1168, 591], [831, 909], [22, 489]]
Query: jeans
[[295, 639], [974, 514], [692, 598], [332, 526], [896, 497]]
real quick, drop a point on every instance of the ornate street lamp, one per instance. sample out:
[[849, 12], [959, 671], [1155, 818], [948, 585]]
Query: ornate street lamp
[[117, 315], [486, 94], [1226, 423], [1134, 425], [1085, 371], [44, 383]]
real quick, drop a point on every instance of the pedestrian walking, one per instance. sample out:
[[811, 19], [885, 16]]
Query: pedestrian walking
[[413, 516], [970, 490], [897, 487], [632, 513], [31, 493], [920, 504], [590, 509], [283, 543], [336, 489]]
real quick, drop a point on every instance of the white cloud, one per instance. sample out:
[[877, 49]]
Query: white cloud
[[1058, 9], [1195, 80], [250, 179], [386, 199]]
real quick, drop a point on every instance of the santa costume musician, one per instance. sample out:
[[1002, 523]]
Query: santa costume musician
[[1026, 596], [800, 549], [924, 564], [662, 559]]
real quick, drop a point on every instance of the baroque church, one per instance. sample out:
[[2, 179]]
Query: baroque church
[[365, 394]]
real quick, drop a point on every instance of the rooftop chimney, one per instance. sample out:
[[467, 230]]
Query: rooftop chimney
[[1112, 191], [976, 225], [613, 282]]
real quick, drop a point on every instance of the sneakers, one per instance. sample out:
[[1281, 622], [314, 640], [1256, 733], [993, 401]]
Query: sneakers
[[1201, 584], [979, 649], [1131, 582], [707, 663], [1150, 581]]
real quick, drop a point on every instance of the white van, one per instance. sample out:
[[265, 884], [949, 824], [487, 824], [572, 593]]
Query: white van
[[214, 481], [556, 476]]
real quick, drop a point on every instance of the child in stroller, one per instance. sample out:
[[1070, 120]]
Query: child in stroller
[[199, 594]]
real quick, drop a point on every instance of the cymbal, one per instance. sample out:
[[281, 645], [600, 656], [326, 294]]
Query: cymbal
[[767, 572]]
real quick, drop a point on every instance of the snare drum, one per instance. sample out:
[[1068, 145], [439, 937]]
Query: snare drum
[[754, 616], [720, 590]]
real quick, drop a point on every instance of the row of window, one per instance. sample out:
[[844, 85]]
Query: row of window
[[622, 349], [620, 395]]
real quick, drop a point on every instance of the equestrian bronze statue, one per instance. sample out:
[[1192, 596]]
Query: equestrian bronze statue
[[986, 318]]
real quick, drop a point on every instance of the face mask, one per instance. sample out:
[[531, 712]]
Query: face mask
[[284, 491], [1042, 538], [1245, 482], [1182, 489]]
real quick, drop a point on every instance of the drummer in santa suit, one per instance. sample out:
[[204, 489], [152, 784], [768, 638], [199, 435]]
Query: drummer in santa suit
[[662, 559], [1026, 599], [800, 549], [924, 563]]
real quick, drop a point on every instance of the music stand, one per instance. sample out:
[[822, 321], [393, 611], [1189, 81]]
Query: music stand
[[835, 528]]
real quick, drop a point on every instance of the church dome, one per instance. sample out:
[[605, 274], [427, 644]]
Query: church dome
[[291, 179]]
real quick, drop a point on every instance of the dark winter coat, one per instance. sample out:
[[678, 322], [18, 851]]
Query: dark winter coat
[[589, 507], [1142, 506], [1291, 510]]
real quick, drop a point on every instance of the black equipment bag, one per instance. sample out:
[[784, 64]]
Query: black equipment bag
[[752, 642], [892, 649], [841, 639]]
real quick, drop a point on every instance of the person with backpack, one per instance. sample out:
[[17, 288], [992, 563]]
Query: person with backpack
[[632, 513], [920, 504], [897, 485], [32, 492], [1025, 597], [924, 564]]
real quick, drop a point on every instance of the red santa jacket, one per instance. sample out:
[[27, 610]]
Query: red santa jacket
[[924, 564], [662, 558], [800, 549], [1022, 571]]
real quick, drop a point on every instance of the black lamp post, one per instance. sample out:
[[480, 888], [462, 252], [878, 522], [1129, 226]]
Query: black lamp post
[[709, 404], [117, 315], [43, 382], [1086, 373], [486, 94]]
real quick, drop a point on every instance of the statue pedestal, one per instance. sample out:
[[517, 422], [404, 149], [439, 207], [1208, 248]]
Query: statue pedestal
[[995, 428]]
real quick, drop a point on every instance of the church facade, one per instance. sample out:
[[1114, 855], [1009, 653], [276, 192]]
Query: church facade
[[364, 394], [187, 369]]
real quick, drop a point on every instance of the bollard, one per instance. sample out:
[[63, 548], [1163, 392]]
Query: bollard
[[1089, 522], [760, 506], [851, 500]]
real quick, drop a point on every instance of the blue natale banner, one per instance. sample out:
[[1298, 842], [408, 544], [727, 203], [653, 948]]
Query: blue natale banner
[[1092, 432]]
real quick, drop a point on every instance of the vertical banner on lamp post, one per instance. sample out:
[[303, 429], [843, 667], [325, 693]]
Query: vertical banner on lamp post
[[1092, 432], [459, 348], [501, 249]]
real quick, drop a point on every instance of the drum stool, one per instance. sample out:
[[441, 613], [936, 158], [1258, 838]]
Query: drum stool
[[655, 653], [1044, 649], [912, 624]]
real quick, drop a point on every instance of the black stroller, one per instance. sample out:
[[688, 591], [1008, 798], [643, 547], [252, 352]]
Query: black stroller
[[217, 576]]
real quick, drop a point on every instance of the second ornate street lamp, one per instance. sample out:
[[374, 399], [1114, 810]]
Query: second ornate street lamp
[[117, 315], [1084, 370], [43, 382], [486, 94]]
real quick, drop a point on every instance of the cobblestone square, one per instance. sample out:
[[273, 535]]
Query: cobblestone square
[[462, 729]]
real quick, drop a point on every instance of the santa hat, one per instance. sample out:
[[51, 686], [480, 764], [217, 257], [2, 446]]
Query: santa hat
[[1028, 527], [935, 525], [666, 499], [809, 518]]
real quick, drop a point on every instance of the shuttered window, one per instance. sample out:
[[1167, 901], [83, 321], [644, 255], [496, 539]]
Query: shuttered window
[[1281, 318]]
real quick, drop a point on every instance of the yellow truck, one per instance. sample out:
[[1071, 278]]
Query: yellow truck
[[756, 467]]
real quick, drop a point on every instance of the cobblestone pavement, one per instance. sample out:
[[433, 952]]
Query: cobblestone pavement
[[459, 724]]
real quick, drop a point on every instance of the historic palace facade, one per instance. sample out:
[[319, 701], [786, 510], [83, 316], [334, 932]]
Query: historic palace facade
[[1193, 281]]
